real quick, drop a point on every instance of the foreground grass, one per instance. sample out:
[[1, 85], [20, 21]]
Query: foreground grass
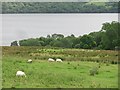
[[69, 74]]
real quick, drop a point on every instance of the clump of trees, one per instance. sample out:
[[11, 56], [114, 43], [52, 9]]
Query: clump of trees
[[107, 38], [14, 43]]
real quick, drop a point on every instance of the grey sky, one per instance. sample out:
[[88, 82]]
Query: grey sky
[[21, 26]]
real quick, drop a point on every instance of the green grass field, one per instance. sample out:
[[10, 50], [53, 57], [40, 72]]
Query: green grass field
[[73, 72]]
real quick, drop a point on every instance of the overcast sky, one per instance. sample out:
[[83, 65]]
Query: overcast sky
[[21, 26]]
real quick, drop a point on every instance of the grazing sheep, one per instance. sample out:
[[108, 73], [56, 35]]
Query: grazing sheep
[[20, 73], [29, 61], [51, 60], [58, 60]]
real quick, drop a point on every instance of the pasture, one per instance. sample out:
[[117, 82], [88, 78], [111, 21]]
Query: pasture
[[73, 72]]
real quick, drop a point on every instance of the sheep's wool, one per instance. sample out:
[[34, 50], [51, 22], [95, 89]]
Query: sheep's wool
[[51, 60], [20, 73], [30, 60], [58, 60]]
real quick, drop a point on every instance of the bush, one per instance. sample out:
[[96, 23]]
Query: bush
[[68, 63], [112, 62], [75, 67], [94, 71], [97, 61], [115, 62]]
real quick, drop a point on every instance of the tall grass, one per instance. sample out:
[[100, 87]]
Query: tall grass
[[42, 53]]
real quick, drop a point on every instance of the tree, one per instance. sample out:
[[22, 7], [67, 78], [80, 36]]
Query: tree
[[66, 43], [14, 43], [56, 43], [97, 36], [57, 36], [87, 41], [71, 40], [77, 46], [48, 36], [29, 42], [107, 38], [111, 38]]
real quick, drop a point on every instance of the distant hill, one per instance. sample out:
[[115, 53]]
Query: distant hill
[[60, 0], [59, 7]]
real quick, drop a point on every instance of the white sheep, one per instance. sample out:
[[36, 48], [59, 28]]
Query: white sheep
[[59, 60], [29, 61], [51, 60], [20, 73]]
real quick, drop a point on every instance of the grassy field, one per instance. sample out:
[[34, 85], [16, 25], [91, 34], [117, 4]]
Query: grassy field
[[73, 72]]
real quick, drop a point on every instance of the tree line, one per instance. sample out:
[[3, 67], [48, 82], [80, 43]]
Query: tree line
[[107, 38], [60, 7]]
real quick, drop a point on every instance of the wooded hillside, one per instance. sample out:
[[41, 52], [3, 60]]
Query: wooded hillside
[[59, 7]]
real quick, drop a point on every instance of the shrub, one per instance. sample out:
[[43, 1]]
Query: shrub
[[75, 67], [115, 62], [112, 62], [68, 63], [94, 71], [97, 61]]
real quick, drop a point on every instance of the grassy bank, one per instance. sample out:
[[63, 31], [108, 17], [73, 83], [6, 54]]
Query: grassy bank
[[72, 73]]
